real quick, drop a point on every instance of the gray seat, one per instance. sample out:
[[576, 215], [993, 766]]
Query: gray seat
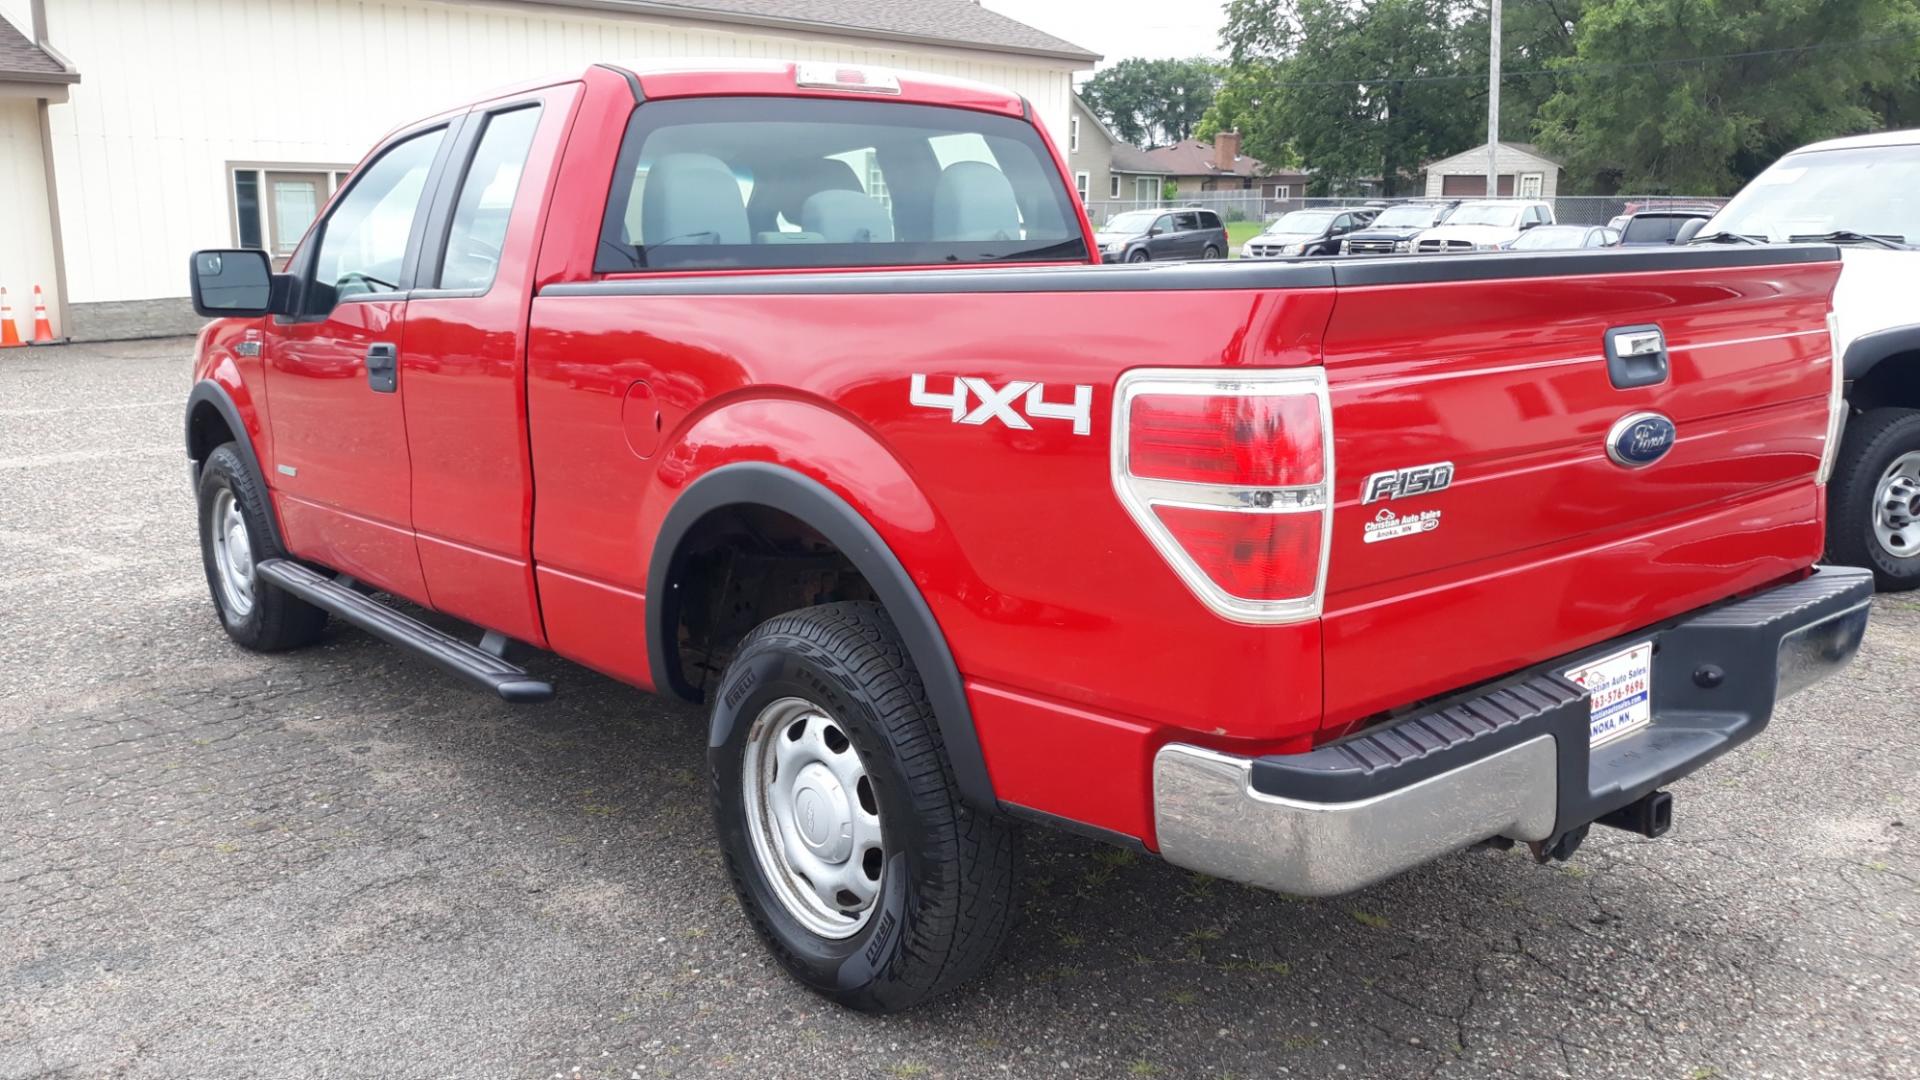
[[973, 201], [846, 217], [782, 193], [692, 199]]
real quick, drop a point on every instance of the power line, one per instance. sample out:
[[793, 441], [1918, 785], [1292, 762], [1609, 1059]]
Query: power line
[[1570, 69]]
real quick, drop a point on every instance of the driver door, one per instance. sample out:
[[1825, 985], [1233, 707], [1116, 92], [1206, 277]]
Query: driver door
[[339, 448]]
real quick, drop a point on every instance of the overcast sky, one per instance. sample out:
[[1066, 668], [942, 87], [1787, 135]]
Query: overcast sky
[[1117, 29]]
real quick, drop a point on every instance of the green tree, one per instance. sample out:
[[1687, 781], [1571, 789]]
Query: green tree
[[1352, 88], [1153, 102], [1637, 108]]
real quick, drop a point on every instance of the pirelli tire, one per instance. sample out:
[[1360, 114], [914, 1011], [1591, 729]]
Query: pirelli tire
[[840, 824], [236, 535], [1873, 498]]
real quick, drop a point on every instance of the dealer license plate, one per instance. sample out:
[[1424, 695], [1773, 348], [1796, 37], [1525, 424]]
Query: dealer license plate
[[1619, 686]]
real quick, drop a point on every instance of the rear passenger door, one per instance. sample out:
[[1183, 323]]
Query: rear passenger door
[[1192, 241], [464, 366]]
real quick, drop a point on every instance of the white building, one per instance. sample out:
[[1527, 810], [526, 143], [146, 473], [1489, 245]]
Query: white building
[[135, 131], [1523, 171]]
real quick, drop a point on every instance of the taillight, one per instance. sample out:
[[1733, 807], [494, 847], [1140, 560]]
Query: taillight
[[1836, 400], [1228, 474]]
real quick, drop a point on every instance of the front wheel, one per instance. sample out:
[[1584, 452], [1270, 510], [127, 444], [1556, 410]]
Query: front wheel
[[839, 820], [235, 536], [1138, 255], [1873, 501]]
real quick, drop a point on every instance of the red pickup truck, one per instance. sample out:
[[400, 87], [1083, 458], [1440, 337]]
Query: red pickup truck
[[800, 392]]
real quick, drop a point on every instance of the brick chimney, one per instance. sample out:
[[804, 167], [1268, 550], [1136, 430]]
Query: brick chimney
[[1226, 148]]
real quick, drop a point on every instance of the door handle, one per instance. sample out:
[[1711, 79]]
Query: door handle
[[383, 367], [1636, 356]]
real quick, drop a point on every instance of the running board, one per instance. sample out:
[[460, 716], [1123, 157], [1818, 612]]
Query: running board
[[472, 663]]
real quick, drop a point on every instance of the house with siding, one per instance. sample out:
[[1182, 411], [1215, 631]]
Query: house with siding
[[135, 131], [1219, 166], [1523, 170], [1108, 172]]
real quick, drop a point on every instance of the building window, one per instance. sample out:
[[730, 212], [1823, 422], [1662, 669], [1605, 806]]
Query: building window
[[1283, 191], [274, 205], [1146, 189], [1080, 182], [1530, 185], [1113, 186], [1073, 135]]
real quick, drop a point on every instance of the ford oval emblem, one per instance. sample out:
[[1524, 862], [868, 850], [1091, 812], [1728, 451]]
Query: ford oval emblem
[[1640, 439]]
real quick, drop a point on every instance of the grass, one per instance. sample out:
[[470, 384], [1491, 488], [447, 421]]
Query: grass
[[1239, 232]]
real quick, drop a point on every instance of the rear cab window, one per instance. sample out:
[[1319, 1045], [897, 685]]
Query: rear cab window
[[773, 183]]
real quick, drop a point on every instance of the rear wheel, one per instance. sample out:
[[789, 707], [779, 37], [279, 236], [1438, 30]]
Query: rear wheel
[[1873, 501], [1211, 252], [843, 832], [1138, 255], [235, 536]]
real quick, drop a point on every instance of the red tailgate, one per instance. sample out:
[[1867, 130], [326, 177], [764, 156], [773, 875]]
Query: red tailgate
[[1542, 544]]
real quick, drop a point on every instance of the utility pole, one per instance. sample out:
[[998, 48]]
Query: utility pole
[[1493, 103]]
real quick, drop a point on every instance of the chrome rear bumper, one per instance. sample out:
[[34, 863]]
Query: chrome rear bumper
[[1510, 761]]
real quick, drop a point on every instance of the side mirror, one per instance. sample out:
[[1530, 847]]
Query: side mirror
[[232, 282], [1155, 231], [1690, 229]]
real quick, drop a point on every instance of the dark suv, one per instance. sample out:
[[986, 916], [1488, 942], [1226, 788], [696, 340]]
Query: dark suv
[[1650, 227], [1396, 227], [1140, 235]]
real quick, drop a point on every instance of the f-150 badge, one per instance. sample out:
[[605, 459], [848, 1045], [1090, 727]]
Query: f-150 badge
[[976, 401], [1399, 483]]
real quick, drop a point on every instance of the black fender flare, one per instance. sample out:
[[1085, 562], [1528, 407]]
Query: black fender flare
[[1867, 350], [207, 393], [801, 496]]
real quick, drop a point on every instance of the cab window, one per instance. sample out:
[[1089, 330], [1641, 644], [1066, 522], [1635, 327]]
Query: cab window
[[722, 183], [479, 227], [363, 245]]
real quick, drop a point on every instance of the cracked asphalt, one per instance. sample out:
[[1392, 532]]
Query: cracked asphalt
[[336, 863]]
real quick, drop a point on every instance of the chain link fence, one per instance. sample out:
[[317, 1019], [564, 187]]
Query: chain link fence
[[1233, 206]]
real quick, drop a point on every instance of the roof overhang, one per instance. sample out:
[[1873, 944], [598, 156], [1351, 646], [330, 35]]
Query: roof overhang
[[689, 12]]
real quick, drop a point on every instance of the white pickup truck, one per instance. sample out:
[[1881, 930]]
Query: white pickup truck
[[1862, 193]]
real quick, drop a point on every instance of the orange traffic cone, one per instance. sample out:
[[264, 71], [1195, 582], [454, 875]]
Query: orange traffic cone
[[9, 330], [42, 329]]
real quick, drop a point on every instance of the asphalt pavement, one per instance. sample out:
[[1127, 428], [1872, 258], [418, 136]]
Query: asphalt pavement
[[337, 863]]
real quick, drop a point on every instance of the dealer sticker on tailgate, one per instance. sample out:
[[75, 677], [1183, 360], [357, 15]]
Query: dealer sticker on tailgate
[[1619, 687]]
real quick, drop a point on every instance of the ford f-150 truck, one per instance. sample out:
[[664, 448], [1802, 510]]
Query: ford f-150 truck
[[799, 392]]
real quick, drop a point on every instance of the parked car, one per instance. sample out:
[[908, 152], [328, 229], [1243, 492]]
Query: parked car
[[1394, 230], [950, 528], [1483, 225], [1164, 235], [1651, 227], [1564, 238], [1308, 232], [1862, 193]]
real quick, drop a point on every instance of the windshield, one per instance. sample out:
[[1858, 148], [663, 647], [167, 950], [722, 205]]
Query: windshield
[[1868, 189], [1551, 237], [1133, 221], [1302, 223], [1486, 214], [1407, 217]]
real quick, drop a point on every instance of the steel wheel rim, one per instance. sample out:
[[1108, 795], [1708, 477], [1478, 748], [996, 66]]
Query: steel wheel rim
[[232, 553], [813, 818], [1896, 507]]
